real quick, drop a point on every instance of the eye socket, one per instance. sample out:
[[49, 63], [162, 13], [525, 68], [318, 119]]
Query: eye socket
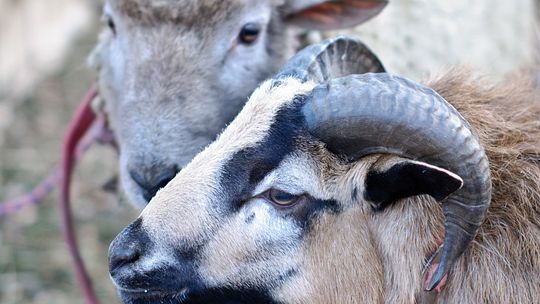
[[249, 33], [282, 198], [110, 24]]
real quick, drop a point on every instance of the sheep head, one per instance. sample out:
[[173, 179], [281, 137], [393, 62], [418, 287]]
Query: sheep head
[[174, 73], [284, 205]]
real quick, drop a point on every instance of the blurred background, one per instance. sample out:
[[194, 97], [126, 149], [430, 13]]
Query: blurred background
[[43, 75]]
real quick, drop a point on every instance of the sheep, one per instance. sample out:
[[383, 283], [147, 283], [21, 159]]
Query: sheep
[[328, 189], [173, 73]]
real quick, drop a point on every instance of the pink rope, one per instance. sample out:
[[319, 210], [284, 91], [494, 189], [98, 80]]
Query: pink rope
[[83, 119]]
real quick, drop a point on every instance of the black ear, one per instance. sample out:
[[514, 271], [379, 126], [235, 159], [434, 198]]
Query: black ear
[[331, 15], [409, 178]]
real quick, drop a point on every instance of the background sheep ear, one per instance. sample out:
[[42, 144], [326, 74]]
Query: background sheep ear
[[331, 15], [409, 178]]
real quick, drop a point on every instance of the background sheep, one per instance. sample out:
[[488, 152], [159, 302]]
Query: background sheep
[[268, 213], [173, 73]]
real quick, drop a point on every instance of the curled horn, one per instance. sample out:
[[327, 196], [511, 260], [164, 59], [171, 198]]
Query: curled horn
[[379, 113], [332, 58]]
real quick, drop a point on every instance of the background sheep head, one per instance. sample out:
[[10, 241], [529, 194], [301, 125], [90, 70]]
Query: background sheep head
[[173, 73]]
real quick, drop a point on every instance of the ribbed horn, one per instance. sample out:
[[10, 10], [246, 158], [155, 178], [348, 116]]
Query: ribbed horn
[[332, 58], [379, 113]]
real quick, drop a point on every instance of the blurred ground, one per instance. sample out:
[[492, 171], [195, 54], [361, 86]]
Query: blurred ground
[[41, 84], [418, 37], [34, 263]]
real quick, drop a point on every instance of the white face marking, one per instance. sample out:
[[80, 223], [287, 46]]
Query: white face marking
[[297, 174], [199, 183], [263, 250]]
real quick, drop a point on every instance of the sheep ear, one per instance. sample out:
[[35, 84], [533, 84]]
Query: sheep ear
[[409, 178], [331, 15]]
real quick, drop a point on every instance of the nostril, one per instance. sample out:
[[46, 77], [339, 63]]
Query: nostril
[[128, 249], [161, 182], [154, 178], [139, 179], [165, 178], [123, 256]]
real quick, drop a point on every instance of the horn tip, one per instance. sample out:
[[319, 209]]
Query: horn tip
[[437, 277]]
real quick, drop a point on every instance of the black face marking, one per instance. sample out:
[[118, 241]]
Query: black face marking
[[354, 194], [408, 179], [250, 218], [249, 166], [304, 212], [131, 246], [233, 296], [289, 274]]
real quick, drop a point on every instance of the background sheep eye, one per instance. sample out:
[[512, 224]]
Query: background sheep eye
[[249, 33], [282, 198]]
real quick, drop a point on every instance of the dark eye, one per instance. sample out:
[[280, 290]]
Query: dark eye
[[110, 24], [282, 198], [249, 33]]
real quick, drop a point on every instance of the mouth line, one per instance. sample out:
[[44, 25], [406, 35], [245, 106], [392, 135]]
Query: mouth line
[[194, 295], [179, 295]]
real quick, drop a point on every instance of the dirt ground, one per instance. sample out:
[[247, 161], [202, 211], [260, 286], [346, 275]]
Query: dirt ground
[[34, 264]]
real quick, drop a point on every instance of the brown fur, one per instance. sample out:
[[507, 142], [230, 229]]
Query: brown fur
[[503, 264]]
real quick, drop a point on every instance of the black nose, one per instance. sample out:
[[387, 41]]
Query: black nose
[[153, 178], [127, 247], [121, 256]]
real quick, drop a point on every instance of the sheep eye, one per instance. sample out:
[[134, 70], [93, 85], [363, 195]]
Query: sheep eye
[[110, 24], [282, 198], [249, 33]]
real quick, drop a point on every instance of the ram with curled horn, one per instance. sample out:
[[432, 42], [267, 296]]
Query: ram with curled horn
[[336, 188]]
